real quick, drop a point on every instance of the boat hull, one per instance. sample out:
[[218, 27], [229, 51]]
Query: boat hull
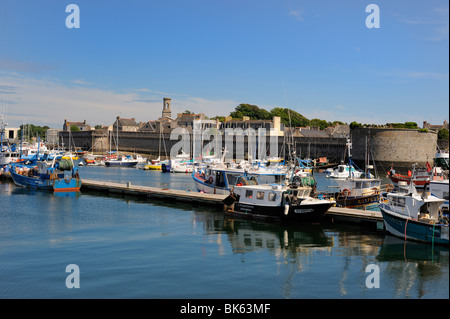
[[358, 202], [57, 185], [205, 187], [411, 229], [297, 213], [120, 163], [157, 167]]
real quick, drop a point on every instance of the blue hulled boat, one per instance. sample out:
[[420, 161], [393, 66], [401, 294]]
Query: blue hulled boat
[[60, 176], [413, 216]]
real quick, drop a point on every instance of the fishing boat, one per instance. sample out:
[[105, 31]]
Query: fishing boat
[[441, 162], [123, 161], [8, 153], [343, 171], [59, 176], [422, 177], [440, 189], [413, 216], [220, 179], [349, 170], [7, 156], [358, 193], [278, 202], [182, 168]]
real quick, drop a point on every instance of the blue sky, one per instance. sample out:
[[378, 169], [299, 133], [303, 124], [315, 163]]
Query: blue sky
[[316, 57]]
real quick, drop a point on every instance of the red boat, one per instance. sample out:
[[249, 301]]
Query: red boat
[[421, 177]]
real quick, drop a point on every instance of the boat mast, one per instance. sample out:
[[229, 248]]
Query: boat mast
[[349, 146]]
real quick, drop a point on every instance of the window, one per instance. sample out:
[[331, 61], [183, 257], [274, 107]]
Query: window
[[398, 201], [232, 178], [260, 195], [272, 197], [249, 193]]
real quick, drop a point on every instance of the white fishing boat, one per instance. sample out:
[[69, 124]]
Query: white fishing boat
[[440, 189], [349, 170], [182, 167], [441, 162], [344, 171], [415, 216], [7, 156], [276, 202], [220, 179]]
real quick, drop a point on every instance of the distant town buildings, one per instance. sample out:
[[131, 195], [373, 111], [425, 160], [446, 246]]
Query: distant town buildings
[[125, 125], [166, 123], [11, 133], [82, 126], [432, 127]]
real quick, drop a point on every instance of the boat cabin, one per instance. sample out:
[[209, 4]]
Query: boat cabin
[[228, 178], [270, 195], [405, 201], [359, 186]]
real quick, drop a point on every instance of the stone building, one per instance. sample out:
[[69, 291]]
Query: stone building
[[125, 125], [433, 127], [272, 127], [82, 126]]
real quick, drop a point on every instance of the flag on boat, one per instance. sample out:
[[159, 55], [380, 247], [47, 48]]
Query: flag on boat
[[428, 167]]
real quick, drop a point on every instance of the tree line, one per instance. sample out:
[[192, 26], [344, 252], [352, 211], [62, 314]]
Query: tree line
[[288, 117]]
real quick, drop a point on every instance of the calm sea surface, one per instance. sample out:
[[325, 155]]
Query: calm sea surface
[[132, 248]]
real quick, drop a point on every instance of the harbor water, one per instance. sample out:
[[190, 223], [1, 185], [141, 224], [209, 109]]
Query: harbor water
[[128, 247]]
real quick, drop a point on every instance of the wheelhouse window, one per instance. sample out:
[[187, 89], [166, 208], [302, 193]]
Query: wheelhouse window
[[398, 201], [249, 193], [272, 197], [260, 195], [232, 178]]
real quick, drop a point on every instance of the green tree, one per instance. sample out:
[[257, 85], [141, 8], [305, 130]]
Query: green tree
[[411, 125], [252, 111], [443, 134], [322, 124], [74, 128], [355, 124], [289, 117], [33, 131]]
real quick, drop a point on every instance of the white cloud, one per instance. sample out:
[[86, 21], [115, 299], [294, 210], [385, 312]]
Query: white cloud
[[435, 20], [416, 75], [297, 14], [49, 101]]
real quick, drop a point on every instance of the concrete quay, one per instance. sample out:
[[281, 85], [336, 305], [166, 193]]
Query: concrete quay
[[334, 214]]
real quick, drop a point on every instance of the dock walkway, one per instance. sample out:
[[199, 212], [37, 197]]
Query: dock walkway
[[193, 197]]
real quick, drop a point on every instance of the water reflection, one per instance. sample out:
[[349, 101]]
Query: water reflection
[[413, 268], [289, 261], [397, 249]]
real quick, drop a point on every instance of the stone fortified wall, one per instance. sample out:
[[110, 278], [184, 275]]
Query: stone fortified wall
[[154, 144], [398, 147]]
